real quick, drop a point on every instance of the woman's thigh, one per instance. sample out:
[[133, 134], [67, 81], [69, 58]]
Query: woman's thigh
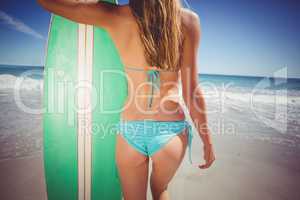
[[165, 163], [133, 170]]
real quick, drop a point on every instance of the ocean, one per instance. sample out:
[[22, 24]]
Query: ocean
[[261, 108]]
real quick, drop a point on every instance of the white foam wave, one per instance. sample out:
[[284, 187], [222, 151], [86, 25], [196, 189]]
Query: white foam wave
[[271, 98], [8, 81]]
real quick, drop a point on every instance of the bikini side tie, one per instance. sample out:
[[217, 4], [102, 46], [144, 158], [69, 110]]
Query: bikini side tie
[[190, 138]]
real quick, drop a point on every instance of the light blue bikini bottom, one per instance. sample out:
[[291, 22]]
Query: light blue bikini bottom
[[149, 136]]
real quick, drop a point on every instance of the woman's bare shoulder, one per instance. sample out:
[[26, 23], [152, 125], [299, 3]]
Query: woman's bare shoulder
[[190, 21], [191, 38]]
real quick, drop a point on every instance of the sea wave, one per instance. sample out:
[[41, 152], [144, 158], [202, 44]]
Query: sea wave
[[8, 81], [250, 96]]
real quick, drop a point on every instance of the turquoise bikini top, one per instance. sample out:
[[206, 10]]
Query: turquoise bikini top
[[154, 80]]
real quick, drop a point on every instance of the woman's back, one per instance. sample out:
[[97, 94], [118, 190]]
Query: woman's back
[[152, 96], [146, 100], [133, 41]]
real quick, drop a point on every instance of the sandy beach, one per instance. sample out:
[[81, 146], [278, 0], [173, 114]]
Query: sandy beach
[[245, 168]]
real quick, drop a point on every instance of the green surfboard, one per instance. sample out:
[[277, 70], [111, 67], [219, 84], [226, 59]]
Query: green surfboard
[[84, 92]]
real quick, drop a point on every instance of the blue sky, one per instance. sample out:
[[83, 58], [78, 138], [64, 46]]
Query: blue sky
[[255, 37]]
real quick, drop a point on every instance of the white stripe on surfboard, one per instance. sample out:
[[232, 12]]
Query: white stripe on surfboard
[[85, 66], [89, 90], [84, 130], [80, 114], [84, 114]]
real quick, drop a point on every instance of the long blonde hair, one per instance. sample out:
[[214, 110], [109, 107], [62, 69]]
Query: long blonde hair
[[159, 24]]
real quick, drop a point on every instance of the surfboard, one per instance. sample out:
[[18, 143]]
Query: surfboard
[[84, 92]]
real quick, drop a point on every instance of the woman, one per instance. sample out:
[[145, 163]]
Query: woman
[[163, 35]]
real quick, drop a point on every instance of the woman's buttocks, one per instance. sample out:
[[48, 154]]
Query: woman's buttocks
[[148, 101]]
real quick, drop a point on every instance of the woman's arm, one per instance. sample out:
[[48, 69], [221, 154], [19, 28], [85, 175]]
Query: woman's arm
[[191, 90], [96, 13]]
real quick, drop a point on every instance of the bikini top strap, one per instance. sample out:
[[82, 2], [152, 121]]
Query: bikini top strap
[[154, 80]]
